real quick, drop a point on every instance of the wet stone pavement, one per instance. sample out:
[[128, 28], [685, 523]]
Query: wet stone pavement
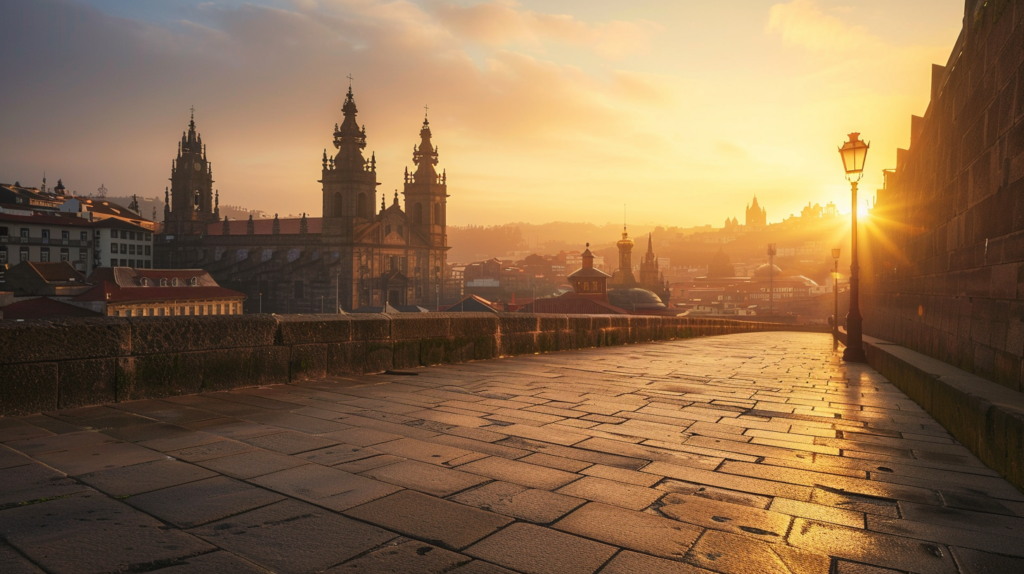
[[755, 453]]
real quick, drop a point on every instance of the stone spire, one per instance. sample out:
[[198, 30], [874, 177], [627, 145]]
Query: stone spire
[[425, 156], [250, 226], [349, 138]]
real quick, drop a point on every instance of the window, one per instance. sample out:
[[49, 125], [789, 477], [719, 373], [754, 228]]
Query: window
[[113, 262], [300, 290], [209, 309], [175, 282], [83, 255], [124, 248], [65, 235], [44, 254], [181, 310], [219, 309], [113, 234], [148, 264], [145, 282], [3, 255], [147, 250], [84, 236], [128, 313], [46, 234], [163, 283], [124, 263], [124, 234], [193, 281], [149, 237], [24, 232], [131, 263], [3, 231], [131, 249], [131, 235], [65, 255], [113, 248]]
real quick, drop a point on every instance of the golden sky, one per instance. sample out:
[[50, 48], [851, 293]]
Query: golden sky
[[554, 110]]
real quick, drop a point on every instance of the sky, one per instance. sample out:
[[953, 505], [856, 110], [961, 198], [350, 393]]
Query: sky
[[677, 111]]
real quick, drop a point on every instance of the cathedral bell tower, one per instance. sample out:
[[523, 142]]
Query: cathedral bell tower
[[190, 207], [426, 192], [349, 180]]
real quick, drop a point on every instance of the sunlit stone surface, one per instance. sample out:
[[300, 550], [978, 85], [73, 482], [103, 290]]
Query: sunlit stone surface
[[743, 453]]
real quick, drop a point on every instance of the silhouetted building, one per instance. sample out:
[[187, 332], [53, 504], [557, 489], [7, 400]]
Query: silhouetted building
[[757, 216], [588, 281], [352, 257], [721, 266], [650, 276], [623, 276]]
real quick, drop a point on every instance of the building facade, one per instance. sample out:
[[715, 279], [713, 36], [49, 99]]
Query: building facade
[[127, 292], [351, 257]]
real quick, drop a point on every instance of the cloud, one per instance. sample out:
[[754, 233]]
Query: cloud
[[104, 98], [802, 23], [505, 23]]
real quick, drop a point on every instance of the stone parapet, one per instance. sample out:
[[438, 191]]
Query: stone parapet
[[986, 417], [47, 365]]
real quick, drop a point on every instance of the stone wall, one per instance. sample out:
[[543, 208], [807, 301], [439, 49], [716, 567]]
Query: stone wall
[[46, 365], [944, 249]]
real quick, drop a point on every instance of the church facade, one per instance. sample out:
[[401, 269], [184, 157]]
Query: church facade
[[355, 256]]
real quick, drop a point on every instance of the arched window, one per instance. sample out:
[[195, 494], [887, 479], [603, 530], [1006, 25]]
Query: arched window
[[193, 281], [338, 205], [174, 282], [361, 208], [417, 213], [196, 200], [437, 214]]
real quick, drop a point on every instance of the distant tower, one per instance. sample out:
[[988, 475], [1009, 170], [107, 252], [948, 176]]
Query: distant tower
[[624, 276], [349, 180], [191, 205], [650, 278], [757, 216], [426, 192]]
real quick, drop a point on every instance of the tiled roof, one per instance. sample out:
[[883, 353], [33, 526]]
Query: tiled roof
[[44, 308], [48, 218], [265, 226], [112, 294], [56, 272]]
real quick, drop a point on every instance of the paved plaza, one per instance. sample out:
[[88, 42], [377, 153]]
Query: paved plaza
[[756, 453]]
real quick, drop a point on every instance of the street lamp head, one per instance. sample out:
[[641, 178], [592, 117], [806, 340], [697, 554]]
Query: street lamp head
[[835, 253], [854, 153]]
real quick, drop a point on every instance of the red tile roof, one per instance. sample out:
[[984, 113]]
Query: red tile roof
[[111, 293], [44, 308]]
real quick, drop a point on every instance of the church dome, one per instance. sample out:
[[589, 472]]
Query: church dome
[[765, 271], [635, 298], [721, 266]]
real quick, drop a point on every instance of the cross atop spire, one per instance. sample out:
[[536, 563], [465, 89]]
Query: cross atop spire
[[349, 82], [426, 112]]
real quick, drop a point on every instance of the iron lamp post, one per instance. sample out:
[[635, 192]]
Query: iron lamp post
[[854, 152], [771, 278], [835, 291]]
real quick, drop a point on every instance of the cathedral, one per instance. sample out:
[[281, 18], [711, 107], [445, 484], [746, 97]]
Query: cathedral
[[757, 216], [355, 256]]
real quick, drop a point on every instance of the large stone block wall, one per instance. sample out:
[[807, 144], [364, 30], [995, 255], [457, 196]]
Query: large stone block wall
[[944, 249], [47, 365]]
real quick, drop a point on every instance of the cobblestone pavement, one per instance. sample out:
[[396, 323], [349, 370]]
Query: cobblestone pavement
[[756, 453]]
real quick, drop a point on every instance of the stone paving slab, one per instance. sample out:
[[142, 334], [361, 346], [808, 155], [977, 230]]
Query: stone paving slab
[[754, 453]]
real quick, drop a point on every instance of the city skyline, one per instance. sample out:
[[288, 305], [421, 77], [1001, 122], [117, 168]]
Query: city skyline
[[539, 111]]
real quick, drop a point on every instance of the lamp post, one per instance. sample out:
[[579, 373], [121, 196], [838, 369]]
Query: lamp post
[[854, 152], [835, 291], [771, 278]]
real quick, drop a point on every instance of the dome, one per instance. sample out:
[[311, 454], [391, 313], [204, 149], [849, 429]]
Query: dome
[[635, 299], [764, 271], [721, 266]]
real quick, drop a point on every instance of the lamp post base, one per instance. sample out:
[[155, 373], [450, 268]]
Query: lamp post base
[[854, 355]]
